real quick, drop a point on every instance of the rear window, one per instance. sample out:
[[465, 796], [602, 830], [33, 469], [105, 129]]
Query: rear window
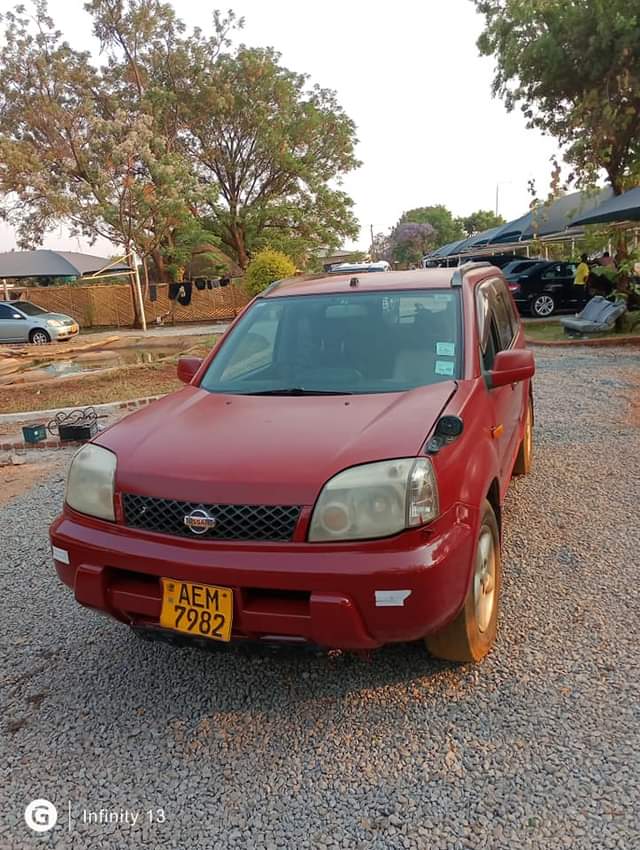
[[364, 342]]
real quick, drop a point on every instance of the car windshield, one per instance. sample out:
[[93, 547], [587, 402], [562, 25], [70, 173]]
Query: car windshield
[[364, 342], [28, 308]]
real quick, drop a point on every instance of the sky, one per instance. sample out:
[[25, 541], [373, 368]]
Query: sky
[[408, 73]]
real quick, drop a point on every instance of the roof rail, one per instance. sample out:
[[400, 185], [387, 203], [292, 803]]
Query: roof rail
[[272, 286], [460, 272]]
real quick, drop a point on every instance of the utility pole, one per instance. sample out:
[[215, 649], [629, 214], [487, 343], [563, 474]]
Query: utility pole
[[138, 290], [373, 252]]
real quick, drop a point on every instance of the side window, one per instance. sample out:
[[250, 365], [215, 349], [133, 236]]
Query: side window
[[492, 347], [497, 321], [552, 272], [483, 312], [502, 321], [506, 317], [5, 312], [487, 326]]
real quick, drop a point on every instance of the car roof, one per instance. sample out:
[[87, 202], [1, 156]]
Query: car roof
[[438, 278]]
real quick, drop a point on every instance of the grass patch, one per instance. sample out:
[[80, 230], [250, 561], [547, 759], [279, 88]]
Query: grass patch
[[553, 331]]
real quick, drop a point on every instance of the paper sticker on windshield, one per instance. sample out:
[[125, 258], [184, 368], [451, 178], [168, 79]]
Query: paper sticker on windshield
[[444, 367], [446, 349]]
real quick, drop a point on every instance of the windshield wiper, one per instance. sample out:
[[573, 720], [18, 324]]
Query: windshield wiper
[[299, 391]]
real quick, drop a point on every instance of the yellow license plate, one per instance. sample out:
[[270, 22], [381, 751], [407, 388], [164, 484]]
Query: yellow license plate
[[197, 609]]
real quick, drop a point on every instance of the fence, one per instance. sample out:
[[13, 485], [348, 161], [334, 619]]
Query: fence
[[99, 305]]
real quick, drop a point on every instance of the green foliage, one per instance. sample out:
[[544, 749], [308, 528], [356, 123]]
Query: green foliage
[[574, 70], [479, 221], [174, 135], [272, 146], [442, 228], [266, 267], [446, 228]]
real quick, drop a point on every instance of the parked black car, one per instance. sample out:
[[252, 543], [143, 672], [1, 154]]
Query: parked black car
[[546, 287]]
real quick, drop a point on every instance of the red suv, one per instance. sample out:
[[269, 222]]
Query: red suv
[[333, 472]]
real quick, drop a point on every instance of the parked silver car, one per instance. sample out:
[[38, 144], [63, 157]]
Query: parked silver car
[[21, 321]]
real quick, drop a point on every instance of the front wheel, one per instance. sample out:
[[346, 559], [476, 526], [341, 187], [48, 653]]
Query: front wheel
[[39, 337], [473, 632], [543, 306]]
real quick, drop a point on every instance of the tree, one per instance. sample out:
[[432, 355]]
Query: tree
[[446, 228], [175, 141], [409, 241], [77, 148], [574, 70], [381, 247], [272, 147], [265, 268], [479, 221], [443, 228]]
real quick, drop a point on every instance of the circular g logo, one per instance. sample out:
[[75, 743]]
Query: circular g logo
[[40, 815]]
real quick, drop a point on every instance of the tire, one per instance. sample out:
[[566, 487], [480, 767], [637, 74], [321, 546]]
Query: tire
[[522, 466], [473, 632], [543, 305], [38, 336]]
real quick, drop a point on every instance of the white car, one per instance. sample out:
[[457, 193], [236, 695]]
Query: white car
[[22, 321], [351, 268]]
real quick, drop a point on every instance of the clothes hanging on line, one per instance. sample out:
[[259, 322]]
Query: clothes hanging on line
[[174, 289], [184, 296], [153, 292], [200, 284]]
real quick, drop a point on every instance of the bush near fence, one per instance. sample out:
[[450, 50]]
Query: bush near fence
[[97, 305]]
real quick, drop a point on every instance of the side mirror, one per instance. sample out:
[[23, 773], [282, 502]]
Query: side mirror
[[187, 368], [509, 367]]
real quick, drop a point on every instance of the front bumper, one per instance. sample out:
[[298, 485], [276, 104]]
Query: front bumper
[[324, 594], [64, 333]]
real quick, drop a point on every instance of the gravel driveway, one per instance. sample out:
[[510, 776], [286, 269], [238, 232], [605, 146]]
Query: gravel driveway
[[538, 747]]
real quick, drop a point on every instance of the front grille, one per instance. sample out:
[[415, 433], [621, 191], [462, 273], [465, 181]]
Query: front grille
[[233, 522]]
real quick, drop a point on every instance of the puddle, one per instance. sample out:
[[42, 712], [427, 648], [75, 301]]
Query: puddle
[[91, 361]]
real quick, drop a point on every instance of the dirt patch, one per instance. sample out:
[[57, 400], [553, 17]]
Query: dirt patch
[[121, 385], [16, 480]]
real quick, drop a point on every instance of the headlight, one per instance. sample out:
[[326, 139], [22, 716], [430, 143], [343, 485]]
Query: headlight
[[375, 500], [55, 323], [90, 482]]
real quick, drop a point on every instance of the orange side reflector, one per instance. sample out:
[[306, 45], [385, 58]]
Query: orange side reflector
[[497, 431]]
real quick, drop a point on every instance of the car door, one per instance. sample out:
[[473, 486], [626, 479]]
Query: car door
[[497, 334], [568, 276], [508, 329], [14, 327], [552, 282]]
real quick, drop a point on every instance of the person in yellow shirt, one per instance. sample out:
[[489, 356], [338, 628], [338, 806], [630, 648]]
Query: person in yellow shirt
[[582, 272], [580, 281]]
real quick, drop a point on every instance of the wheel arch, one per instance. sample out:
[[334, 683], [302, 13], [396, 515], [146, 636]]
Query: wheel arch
[[35, 330], [493, 497]]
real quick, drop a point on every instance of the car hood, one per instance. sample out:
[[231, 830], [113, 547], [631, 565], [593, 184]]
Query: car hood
[[61, 317], [206, 447]]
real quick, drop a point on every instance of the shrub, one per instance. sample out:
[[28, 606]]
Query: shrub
[[265, 267]]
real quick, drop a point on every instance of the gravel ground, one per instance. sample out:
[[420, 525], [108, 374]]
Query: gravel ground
[[538, 747]]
